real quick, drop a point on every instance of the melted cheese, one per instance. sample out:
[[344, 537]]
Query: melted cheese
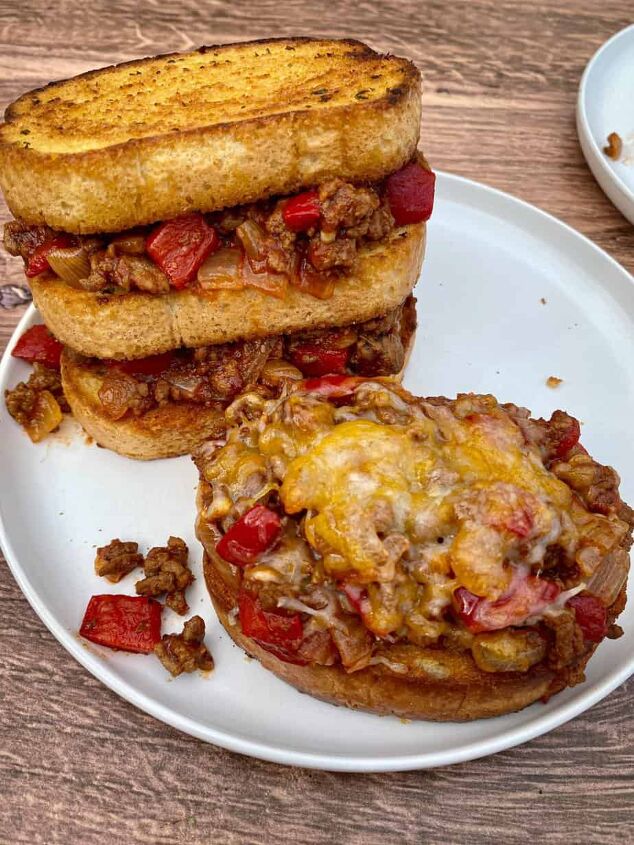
[[349, 475]]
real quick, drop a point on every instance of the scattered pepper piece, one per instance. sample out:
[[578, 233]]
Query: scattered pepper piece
[[553, 381]]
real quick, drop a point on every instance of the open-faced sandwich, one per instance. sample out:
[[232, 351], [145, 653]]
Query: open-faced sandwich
[[433, 558], [193, 223]]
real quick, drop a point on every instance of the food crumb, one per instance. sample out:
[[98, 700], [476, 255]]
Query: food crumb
[[553, 381], [543, 300], [614, 146]]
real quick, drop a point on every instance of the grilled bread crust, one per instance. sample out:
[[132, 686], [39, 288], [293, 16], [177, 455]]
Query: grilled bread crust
[[151, 139], [136, 324], [165, 432], [445, 687]]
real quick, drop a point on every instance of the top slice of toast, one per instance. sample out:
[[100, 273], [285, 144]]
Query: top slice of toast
[[154, 138]]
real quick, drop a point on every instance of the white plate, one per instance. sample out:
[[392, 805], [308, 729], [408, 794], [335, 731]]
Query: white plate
[[490, 262], [606, 104]]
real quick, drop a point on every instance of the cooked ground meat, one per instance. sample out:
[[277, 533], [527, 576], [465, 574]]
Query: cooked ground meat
[[167, 571], [125, 272], [185, 652], [339, 253], [350, 214], [215, 375], [345, 206], [23, 239], [37, 405], [117, 560]]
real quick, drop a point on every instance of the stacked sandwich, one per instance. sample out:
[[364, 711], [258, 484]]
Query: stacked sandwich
[[197, 225]]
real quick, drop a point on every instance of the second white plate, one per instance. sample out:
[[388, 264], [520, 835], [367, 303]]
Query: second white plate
[[605, 104], [508, 297]]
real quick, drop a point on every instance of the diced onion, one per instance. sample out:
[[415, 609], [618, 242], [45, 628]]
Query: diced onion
[[130, 244], [222, 269], [253, 239], [607, 582], [71, 264], [271, 283], [277, 370], [44, 417]]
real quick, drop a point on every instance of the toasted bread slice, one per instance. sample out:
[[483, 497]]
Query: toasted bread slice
[[172, 429], [150, 139], [176, 428], [138, 324], [446, 686]]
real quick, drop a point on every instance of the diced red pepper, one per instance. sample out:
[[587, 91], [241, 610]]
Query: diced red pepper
[[37, 344], [38, 260], [180, 246], [276, 631], [331, 387], [153, 365], [315, 360], [566, 431], [252, 534], [591, 617], [528, 597], [126, 623], [302, 212], [410, 194], [357, 596]]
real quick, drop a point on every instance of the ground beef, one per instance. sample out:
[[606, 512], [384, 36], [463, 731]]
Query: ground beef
[[121, 393], [214, 375], [185, 652], [597, 485], [25, 401], [23, 239], [350, 214], [124, 272], [117, 560], [345, 206], [334, 255], [167, 571]]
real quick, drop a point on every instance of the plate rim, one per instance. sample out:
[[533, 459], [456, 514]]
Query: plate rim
[[618, 192], [503, 740]]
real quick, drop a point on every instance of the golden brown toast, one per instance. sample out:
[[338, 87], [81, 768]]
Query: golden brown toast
[[150, 139], [165, 432], [137, 324]]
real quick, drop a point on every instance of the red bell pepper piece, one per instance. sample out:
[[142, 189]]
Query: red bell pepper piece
[[252, 534], [331, 387], [37, 344], [530, 596], [410, 193], [153, 365], [357, 596], [126, 623], [565, 432], [38, 261], [302, 212], [591, 617], [315, 360], [276, 631], [180, 246]]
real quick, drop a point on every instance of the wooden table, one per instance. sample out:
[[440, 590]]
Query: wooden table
[[78, 764]]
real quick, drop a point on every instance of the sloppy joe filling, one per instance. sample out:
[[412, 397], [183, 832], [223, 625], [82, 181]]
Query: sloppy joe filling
[[364, 524], [306, 241], [213, 376]]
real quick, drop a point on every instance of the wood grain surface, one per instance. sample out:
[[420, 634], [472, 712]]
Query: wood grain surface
[[78, 764]]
